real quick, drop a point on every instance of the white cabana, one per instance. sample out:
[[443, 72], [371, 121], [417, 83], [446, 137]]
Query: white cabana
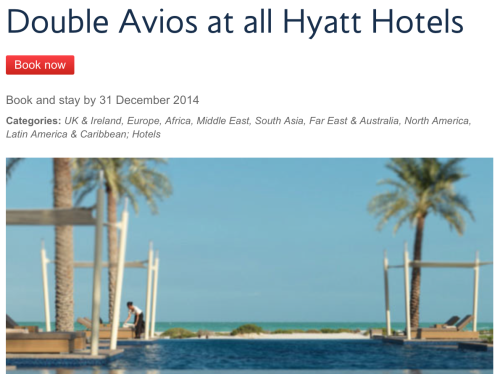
[[407, 264], [152, 267], [73, 217]]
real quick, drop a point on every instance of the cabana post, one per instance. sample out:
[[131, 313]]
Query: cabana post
[[148, 292], [476, 291], [386, 284], [155, 289], [96, 293], [115, 324], [45, 283], [407, 291]]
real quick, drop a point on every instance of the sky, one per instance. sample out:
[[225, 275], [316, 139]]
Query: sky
[[278, 240]]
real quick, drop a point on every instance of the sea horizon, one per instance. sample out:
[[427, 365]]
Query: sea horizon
[[273, 326]]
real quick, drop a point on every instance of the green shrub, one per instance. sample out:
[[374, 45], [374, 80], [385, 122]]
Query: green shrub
[[178, 333], [313, 331], [247, 329], [384, 331], [335, 331], [487, 338], [280, 331], [486, 332]]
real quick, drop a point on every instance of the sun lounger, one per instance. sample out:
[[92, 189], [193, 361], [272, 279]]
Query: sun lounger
[[449, 332], [88, 323], [11, 324], [19, 341], [450, 323], [105, 330]]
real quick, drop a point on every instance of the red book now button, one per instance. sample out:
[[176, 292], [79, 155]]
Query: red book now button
[[40, 65]]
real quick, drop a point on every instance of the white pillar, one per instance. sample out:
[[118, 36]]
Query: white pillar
[[476, 291], [407, 292], [148, 291], [45, 282], [155, 289], [96, 292], [386, 284], [115, 324]]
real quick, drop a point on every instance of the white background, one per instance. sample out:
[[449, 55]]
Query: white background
[[278, 74]]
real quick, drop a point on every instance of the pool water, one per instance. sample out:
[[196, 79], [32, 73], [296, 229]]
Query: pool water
[[296, 355]]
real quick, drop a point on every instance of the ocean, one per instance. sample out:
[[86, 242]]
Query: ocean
[[272, 326]]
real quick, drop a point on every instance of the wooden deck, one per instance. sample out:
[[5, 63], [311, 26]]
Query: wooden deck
[[401, 340]]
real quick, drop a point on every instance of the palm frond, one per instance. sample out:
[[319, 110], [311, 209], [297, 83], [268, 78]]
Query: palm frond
[[12, 163], [422, 186], [124, 177]]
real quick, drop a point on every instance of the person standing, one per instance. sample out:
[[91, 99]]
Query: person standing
[[138, 320]]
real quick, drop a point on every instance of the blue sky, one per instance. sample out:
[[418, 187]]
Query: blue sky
[[264, 240]]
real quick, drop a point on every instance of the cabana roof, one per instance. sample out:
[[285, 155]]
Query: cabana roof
[[421, 264], [51, 217]]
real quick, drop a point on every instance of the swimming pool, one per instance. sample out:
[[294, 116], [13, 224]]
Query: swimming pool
[[296, 354]]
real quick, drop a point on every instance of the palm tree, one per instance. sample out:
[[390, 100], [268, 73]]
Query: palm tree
[[62, 193], [422, 186], [124, 177]]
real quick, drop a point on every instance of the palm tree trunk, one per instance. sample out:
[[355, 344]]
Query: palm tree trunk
[[416, 274], [112, 250], [63, 190]]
